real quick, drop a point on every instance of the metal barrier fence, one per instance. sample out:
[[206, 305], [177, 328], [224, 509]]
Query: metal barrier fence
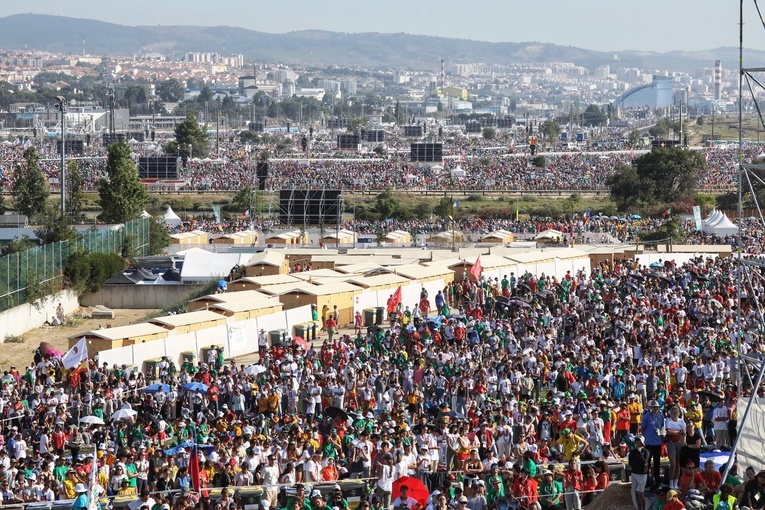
[[44, 265]]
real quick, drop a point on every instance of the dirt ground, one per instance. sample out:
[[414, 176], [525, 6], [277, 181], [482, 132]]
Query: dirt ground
[[20, 354]]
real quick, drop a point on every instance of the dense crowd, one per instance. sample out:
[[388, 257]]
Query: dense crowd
[[484, 167], [523, 392]]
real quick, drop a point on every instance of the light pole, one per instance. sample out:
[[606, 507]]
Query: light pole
[[61, 106]]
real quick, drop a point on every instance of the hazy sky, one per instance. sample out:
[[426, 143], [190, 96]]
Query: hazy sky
[[655, 25]]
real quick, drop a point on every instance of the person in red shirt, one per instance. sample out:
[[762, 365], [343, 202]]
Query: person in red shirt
[[572, 484], [673, 503], [690, 479], [712, 477], [622, 422], [59, 439], [525, 489]]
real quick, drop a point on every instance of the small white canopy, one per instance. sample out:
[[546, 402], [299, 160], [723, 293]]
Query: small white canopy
[[172, 219], [144, 214], [457, 172]]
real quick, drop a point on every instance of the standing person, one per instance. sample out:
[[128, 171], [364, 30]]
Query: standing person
[[270, 480], [330, 324], [638, 460], [572, 486], [691, 450], [720, 418], [550, 492], [385, 480], [675, 427], [81, 500], [651, 428]]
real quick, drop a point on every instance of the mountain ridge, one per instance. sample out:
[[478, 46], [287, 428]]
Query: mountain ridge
[[60, 34]]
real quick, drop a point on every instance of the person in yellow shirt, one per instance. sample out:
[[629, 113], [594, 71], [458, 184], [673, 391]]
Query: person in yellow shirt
[[571, 444], [67, 488], [263, 404], [126, 489], [273, 403], [636, 413]]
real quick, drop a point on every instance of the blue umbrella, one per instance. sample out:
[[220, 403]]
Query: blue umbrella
[[188, 445], [635, 217], [194, 386], [153, 388]]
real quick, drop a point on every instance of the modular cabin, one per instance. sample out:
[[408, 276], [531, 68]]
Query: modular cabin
[[425, 274], [204, 302], [377, 282], [550, 237], [189, 322], [341, 294], [556, 262], [256, 282], [242, 310], [285, 238], [111, 338], [398, 237], [498, 237], [267, 263], [343, 237], [321, 276]]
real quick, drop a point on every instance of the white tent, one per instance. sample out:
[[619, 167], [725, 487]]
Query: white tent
[[458, 172], [201, 265], [144, 214], [719, 224], [172, 219], [436, 169]]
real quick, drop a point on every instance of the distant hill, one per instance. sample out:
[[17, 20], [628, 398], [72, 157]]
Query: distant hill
[[374, 50]]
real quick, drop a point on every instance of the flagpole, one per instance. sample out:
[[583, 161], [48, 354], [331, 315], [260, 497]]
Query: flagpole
[[454, 248]]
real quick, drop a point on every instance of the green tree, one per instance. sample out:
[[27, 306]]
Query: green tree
[[245, 199], [444, 207], [623, 183], [189, 132], [30, 187], [488, 133], [54, 226], [660, 176], [538, 161], [386, 204], [75, 190], [594, 116], [122, 196], [170, 91], [633, 139], [551, 130], [660, 130]]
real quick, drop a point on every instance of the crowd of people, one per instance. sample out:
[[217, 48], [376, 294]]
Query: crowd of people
[[526, 392], [486, 168]]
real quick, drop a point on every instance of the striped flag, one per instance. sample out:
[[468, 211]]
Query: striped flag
[[196, 481]]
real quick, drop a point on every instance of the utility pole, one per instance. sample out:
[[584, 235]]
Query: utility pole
[[61, 105]]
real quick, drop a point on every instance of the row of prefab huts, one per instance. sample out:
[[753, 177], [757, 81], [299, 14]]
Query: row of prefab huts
[[352, 281]]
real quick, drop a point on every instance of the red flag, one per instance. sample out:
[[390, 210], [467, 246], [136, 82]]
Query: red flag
[[477, 268], [396, 298], [194, 469]]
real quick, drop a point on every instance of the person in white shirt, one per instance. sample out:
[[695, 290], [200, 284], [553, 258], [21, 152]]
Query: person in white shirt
[[385, 473], [404, 501], [313, 468], [720, 418]]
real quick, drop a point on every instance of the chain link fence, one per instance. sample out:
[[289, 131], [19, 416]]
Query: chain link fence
[[42, 266]]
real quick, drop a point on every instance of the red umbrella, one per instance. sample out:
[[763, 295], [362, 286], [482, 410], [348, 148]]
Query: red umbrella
[[417, 489], [300, 342]]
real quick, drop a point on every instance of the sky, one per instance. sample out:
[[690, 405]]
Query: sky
[[603, 25]]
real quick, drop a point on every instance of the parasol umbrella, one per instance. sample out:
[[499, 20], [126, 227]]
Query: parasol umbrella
[[656, 264], [254, 369], [300, 341], [416, 489], [153, 388], [455, 414], [713, 397], [123, 414], [91, 420], [635, 217], [194, 386], [336, 413]]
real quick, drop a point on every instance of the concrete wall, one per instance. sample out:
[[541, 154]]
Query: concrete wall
[[138, 296], [23, 318]]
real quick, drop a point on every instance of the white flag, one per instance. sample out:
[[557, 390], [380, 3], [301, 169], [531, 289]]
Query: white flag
[[76, 355]]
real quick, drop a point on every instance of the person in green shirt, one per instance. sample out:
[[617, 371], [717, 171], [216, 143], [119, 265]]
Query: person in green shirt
[[60, 470], [550, 492], [318, 502], [298, 501]]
